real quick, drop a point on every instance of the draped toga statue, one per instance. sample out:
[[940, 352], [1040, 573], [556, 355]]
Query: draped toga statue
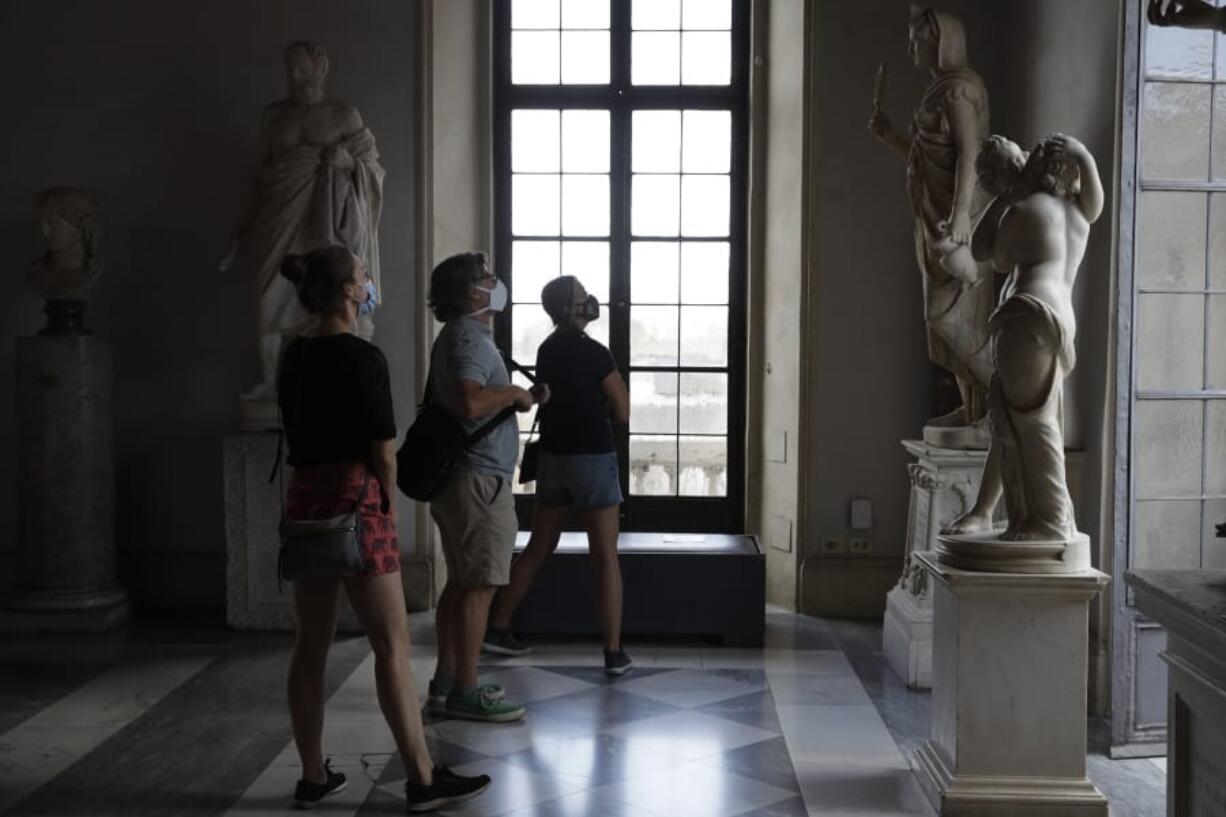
[[946, 129], [1037, 236], [319, 183]]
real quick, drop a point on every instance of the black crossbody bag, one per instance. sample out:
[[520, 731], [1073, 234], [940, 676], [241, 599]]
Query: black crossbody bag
[[435, 442]]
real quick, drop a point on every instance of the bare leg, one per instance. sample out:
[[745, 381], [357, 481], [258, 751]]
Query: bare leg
[[378, 602], [547, 524], [602, 529], [315, 604], [979, 518], [444, 620], [468, 631]]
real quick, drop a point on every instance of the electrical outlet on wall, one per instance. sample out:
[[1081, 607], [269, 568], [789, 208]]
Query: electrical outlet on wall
[[833, 546], [860, 546]]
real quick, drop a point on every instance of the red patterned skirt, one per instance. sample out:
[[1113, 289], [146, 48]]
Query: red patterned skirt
[[324, 491]]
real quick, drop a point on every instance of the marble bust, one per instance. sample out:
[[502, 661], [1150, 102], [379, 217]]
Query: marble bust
[[1036, 236], [319, 183], [939, 150], [68, 219]]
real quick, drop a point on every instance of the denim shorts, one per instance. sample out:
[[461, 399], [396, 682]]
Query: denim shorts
[[587, 482]]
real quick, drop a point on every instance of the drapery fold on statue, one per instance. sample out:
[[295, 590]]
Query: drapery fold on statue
[[311, 197]]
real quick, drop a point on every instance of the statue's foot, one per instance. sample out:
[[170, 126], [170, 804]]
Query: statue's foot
[[953, 419], [264, 391], [969, 523]]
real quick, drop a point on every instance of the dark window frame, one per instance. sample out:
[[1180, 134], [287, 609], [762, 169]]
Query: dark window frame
[[620, 97]]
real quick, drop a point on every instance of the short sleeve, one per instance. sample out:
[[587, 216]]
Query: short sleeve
[[464, 360], [600, 360], [378, 395]]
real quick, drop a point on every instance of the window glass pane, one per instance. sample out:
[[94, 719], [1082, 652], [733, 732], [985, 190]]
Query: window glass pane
[[704, 272], [653, 402], [517, 487], [585, 205], [654, 205], [529, 327], [1215, 348], [653, 466], [1167, 448], [708, 14], [704, 403], [1178, 53], [708, 141], [535, 57], [1217, 241], [585, 141], [589, 262], [653, 336], [1167, 536], [535, 202], [706, 58], [1175, 131], [656, 142], [1215, 444], [704, 205], [1171, 240], [703, 467], [1219, 129], [704, 336], [655, 58], [533, 264], [534, 141], [585, 13], [534, 14], [585, 57], [1170, 341], [653, 272], [655, 14]]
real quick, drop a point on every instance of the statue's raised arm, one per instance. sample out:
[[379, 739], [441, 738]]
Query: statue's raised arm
[[1186, 14]]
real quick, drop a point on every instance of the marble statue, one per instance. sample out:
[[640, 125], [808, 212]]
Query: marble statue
[[1037, 236], [320, 183], [1187, 14], [946, 129], [68, 219]]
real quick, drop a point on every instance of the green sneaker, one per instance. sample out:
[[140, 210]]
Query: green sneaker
[[436, 699], [482, 704]]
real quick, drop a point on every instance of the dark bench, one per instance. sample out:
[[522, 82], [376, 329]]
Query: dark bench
[[675, 585]]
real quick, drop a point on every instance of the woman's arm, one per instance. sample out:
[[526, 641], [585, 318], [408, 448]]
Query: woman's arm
[[962, 121], [383, 462], [1091, 198], [618, 396]]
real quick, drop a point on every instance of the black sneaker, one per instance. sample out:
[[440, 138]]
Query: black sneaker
[[307, 794], [504, 642], [448, 788], [616, 662]]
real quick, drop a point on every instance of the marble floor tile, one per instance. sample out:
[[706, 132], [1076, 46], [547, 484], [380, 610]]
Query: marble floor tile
[[789, 690], [591, 760], [807, 662], [583, 804], [691, 688], [601, 707], [670, 657], [528, 685], [768, 762], [498, 739], [733, 658], [756, 709], [687, 735], [515, 789], [694, 790]]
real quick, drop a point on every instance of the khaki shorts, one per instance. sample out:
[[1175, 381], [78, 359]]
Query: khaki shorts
[[475, 514]]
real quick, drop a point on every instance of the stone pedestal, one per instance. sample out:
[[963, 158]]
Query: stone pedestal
[[1010, 654], [944, 483], [1191, 605], [253, 511], [66, 578]]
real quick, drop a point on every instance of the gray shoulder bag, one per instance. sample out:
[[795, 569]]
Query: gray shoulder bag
[[319, 548]]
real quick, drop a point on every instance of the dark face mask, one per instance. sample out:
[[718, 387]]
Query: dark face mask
[[591, 309]]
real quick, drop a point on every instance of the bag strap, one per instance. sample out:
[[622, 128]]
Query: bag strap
[[498, 419]]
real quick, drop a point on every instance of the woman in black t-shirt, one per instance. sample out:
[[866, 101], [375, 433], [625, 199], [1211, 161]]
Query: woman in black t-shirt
[[336, 407], [577, 466]]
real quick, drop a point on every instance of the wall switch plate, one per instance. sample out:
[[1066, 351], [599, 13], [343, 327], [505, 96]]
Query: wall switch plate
[[861, 514], [860, 546], [834, 546]]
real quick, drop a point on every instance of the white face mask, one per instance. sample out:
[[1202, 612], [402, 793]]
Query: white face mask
[[498, 298]]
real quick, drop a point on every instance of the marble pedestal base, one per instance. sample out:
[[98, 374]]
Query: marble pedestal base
[[66, 565], [944, 482], [1010, 654], [253, 511]]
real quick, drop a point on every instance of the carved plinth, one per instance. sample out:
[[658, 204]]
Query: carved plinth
[[991, 554]]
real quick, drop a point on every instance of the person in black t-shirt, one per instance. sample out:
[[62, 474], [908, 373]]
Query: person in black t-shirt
[[576, 469], [336, 408]]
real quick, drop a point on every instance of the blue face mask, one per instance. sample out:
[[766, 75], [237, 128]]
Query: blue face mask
[[367, 307]]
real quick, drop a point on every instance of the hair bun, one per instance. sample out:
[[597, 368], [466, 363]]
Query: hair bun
[[294, 268]]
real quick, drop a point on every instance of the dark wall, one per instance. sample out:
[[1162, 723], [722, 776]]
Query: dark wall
[[154, 106]]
